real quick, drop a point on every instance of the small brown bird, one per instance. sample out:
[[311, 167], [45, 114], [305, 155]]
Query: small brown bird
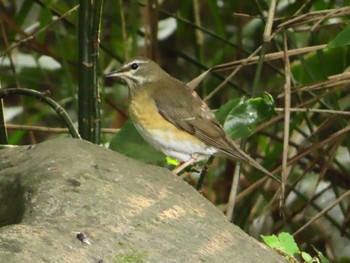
[[172, 117]]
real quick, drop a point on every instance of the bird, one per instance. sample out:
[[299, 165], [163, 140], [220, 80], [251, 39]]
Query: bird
[[173, 118]]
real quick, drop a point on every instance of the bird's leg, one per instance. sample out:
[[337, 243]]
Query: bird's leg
[[203, 173], [182, 166]]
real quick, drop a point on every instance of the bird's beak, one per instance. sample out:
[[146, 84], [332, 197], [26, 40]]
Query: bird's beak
[[114, 74], [117, 74]]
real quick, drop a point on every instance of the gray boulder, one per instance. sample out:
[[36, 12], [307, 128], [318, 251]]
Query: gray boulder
[[68, 200]]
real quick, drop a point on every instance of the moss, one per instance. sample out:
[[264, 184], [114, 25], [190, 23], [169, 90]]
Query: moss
[[129, 258]]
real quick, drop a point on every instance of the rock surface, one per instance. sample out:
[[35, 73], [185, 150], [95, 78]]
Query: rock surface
[[129, 211]]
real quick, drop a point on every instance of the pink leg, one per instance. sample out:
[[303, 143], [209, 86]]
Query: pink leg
[[182, 166]]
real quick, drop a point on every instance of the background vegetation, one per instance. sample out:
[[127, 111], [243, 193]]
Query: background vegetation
[[297, 51]]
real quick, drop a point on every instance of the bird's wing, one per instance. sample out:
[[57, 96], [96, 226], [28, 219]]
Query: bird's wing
[[188, 112]]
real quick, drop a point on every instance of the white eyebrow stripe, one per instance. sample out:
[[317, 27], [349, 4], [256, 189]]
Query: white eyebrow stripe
[[136, 61]]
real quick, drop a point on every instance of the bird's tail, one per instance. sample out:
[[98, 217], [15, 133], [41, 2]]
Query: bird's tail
[[239, 155]]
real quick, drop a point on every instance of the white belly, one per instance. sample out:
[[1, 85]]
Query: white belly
[[182, 150]]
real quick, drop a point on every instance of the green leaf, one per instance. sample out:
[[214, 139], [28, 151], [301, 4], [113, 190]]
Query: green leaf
[[307, 257], [216, 17], [321, 256], [288, 244], [284, 242], [23, 12], [225, 109], [272, 241], [341, 39], [317, 66], [129, 142], [240, 116], [45, 18], [172, 161]]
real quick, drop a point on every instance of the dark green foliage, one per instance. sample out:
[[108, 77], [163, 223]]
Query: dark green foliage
[[240, 117]]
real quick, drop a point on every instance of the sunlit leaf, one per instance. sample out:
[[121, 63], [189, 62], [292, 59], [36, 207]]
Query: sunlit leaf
[[284, 242], [172, 161], [288, 244], [272, 241], [307, 257]]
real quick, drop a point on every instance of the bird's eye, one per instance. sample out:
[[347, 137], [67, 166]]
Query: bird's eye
[[134, 66]]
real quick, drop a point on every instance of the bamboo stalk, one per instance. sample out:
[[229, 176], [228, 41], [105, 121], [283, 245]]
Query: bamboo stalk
[[98, 6], [86, 87]]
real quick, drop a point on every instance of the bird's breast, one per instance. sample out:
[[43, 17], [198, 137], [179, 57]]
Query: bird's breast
[[144, 113]]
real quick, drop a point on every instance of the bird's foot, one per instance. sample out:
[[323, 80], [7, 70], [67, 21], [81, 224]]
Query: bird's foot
[[182, 166]]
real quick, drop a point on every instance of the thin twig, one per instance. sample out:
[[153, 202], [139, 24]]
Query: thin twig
[[26, 39], [247, 60], [323, 18], [12, 65], [316, 146], [322, 85], [333, 26], [3, 131], [260, 200], [233, 193], [314, 16], [42, 97], [250, 189], [331, 151], [197, 19], [18, 127], [123, 28], [307, 2], [151, 29], [269, 22], [323, 212], [314, 110], [287, 103], [268, 57], [301, 154], [303, 104]]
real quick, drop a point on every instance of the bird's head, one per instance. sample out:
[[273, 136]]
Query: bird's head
[[138, 71]]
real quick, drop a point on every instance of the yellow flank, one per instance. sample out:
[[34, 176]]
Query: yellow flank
[[143, 112]]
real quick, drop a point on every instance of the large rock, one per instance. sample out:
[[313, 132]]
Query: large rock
[[129, 211]]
